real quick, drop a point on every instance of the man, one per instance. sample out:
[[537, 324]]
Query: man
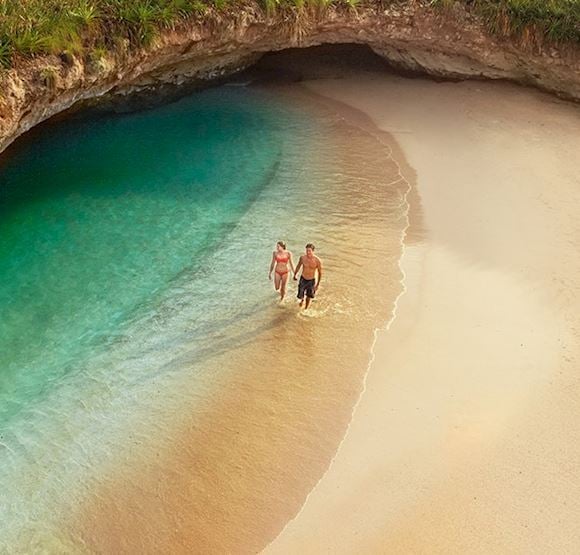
[[309, 282]]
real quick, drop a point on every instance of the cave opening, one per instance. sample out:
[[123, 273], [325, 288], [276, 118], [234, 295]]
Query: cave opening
[[326, 61]]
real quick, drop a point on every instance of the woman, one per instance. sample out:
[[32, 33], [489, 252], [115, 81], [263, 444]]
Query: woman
[[280, 260]]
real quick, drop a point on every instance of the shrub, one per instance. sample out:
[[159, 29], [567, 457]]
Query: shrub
[[5, 53], [49, 76]]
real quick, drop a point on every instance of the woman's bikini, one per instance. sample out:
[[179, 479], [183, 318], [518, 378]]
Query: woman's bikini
[[283, 259]]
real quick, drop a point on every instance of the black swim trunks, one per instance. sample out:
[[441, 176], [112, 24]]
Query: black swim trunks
[[306, 286]]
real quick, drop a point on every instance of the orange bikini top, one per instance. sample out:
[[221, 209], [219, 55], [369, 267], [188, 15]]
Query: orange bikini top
[[284, 258]]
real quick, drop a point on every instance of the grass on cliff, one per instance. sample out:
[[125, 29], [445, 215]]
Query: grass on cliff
[[534, 22], [31, 27], [93, 27]]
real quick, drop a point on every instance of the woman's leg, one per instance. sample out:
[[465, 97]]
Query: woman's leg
[[283, 283], [277, 281]]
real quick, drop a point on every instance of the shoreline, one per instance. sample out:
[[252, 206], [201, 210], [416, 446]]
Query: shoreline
[[377, 133], [271, 423], [325, 521]]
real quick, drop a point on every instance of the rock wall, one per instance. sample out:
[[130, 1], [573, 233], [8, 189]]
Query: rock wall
[[412, 36]]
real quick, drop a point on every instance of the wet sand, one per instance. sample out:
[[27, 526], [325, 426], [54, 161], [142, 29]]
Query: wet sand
[[466, 438]]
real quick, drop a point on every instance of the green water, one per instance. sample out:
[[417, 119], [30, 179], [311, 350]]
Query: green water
[[134, 252], [97, 217], [128, 245]]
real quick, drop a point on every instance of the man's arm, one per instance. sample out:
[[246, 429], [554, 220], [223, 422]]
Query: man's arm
[[319, 274], [298, 266]]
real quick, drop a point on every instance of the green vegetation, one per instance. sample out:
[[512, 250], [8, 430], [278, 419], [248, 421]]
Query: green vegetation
[[533, 21], [91, 27], [49, 76], [31, 27]]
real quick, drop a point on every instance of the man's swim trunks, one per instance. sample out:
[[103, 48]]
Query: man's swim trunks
[[306, 286]]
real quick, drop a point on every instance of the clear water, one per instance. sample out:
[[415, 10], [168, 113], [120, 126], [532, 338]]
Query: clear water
[[134, 252], [98, 217]]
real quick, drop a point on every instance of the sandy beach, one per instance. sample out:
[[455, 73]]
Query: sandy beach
[[466, 438], [427, 402]]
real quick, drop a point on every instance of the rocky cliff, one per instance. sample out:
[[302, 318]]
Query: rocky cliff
[[411, 36]]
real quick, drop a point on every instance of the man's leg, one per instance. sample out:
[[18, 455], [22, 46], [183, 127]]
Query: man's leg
[[309, 294], [301, 292]]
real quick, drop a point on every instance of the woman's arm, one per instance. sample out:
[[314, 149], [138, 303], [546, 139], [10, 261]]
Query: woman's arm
[[272, 265], [291, 262]]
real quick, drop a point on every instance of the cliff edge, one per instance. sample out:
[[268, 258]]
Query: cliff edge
[[412, 36]]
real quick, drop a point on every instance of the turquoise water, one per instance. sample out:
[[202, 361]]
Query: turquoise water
[[120, 257], [97, 218], [134, 252]]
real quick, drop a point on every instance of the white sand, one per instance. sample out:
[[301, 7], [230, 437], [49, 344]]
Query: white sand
[[467, 438]]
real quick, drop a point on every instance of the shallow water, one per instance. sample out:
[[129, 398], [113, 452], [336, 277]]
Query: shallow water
[[153, 392], [98, 217]]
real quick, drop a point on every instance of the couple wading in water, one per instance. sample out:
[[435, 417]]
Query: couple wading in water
[[311, 272]]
